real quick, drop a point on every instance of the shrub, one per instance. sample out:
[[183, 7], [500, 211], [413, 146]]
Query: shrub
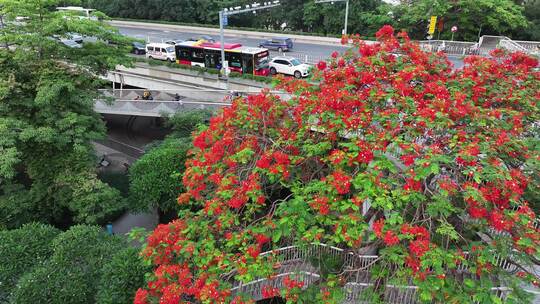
[[73, 272], [121, 277], [21, 250], [117, 180], [154, 177]]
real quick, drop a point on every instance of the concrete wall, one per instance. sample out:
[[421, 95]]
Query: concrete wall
[[204, 87]]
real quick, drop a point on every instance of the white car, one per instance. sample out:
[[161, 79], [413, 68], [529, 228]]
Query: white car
[[161, 51], [289, 66]]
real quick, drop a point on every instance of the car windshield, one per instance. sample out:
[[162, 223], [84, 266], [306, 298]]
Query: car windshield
[[295, 62], [170, 50]]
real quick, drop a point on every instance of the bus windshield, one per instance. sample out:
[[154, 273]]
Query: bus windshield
[[261, 63]]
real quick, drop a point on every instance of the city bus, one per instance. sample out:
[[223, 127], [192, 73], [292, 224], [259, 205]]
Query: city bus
[[241, 59]]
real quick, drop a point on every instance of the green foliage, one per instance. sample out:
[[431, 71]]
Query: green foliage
[[121, 277], [504, 17], [183, 124], [117, 180], [72, 274], [489, 17], [154, 178], [532, 30], [22, 249], [46, 115]]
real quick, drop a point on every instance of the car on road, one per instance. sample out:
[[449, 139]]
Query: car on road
[[203, 37], [174, 41], [280, 44], [138, 48], [75, 37], [71, 43], [160, 51], [289, 66]]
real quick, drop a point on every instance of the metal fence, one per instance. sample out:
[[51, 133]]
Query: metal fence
[[297, 262], [450, 47]]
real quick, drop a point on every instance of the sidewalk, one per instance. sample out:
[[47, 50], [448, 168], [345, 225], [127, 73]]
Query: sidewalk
[[129, 220]]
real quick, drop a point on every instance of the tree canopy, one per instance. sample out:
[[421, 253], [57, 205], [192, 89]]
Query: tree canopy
[[47, 167], [473, 18], [397, 155], [83, 265], [491, 17], [22, 250]]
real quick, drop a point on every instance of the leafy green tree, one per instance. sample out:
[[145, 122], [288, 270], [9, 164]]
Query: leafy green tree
[[73, 272], [495, 17], [46, 113], [22, 249], [154, 178], [121, 277], [532, 31]]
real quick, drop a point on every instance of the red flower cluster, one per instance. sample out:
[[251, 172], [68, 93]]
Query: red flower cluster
[[422, 150], [341, 182]]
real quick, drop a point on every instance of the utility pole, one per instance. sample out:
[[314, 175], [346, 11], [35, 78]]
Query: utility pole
[[344, 31], [223, 21]]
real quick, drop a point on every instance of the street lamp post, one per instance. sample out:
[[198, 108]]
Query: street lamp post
[[223, 18], [346, 11]]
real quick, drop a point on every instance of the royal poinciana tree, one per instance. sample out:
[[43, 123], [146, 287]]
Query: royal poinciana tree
[[391, 152]]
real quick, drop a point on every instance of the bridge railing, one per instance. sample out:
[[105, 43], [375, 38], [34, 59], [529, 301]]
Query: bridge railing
[[297, 262], [450, 47]]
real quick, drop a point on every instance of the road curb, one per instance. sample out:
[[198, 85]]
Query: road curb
[[229, 32]]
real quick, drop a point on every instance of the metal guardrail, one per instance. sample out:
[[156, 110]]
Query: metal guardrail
[[450, 47], [295, 262]]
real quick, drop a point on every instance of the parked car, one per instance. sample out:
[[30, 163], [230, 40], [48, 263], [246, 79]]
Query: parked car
[[289, 66], [160, 51], [174, 41], [71, 43], [138, 48], [75, 37], [202, 37], [282, 44]]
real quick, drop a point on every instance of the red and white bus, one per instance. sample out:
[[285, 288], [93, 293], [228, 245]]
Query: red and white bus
[[242, 59]]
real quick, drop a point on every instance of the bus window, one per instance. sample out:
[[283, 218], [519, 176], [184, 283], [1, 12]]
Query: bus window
[[212, 59], [235, 60], [261, 60], [197, 55], [183, 54]]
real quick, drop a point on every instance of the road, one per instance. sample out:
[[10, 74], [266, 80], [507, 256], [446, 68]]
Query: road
[[314, 52]]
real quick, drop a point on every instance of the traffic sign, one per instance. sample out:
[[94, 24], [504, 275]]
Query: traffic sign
[[225, 20], [432, 24], [454, 29]]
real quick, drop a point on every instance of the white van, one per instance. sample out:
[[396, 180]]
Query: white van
[[161, 51]]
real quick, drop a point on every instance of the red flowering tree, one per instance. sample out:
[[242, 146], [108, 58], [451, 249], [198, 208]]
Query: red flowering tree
[[393, 152]]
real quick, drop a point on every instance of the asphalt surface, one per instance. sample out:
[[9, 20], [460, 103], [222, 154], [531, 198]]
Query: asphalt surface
[[315, 52]]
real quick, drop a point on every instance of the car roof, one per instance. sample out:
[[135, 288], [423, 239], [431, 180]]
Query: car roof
[[163, 45], [279, 38], [284, 57]]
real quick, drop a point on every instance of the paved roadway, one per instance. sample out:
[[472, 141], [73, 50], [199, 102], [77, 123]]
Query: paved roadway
[[315, 52]]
